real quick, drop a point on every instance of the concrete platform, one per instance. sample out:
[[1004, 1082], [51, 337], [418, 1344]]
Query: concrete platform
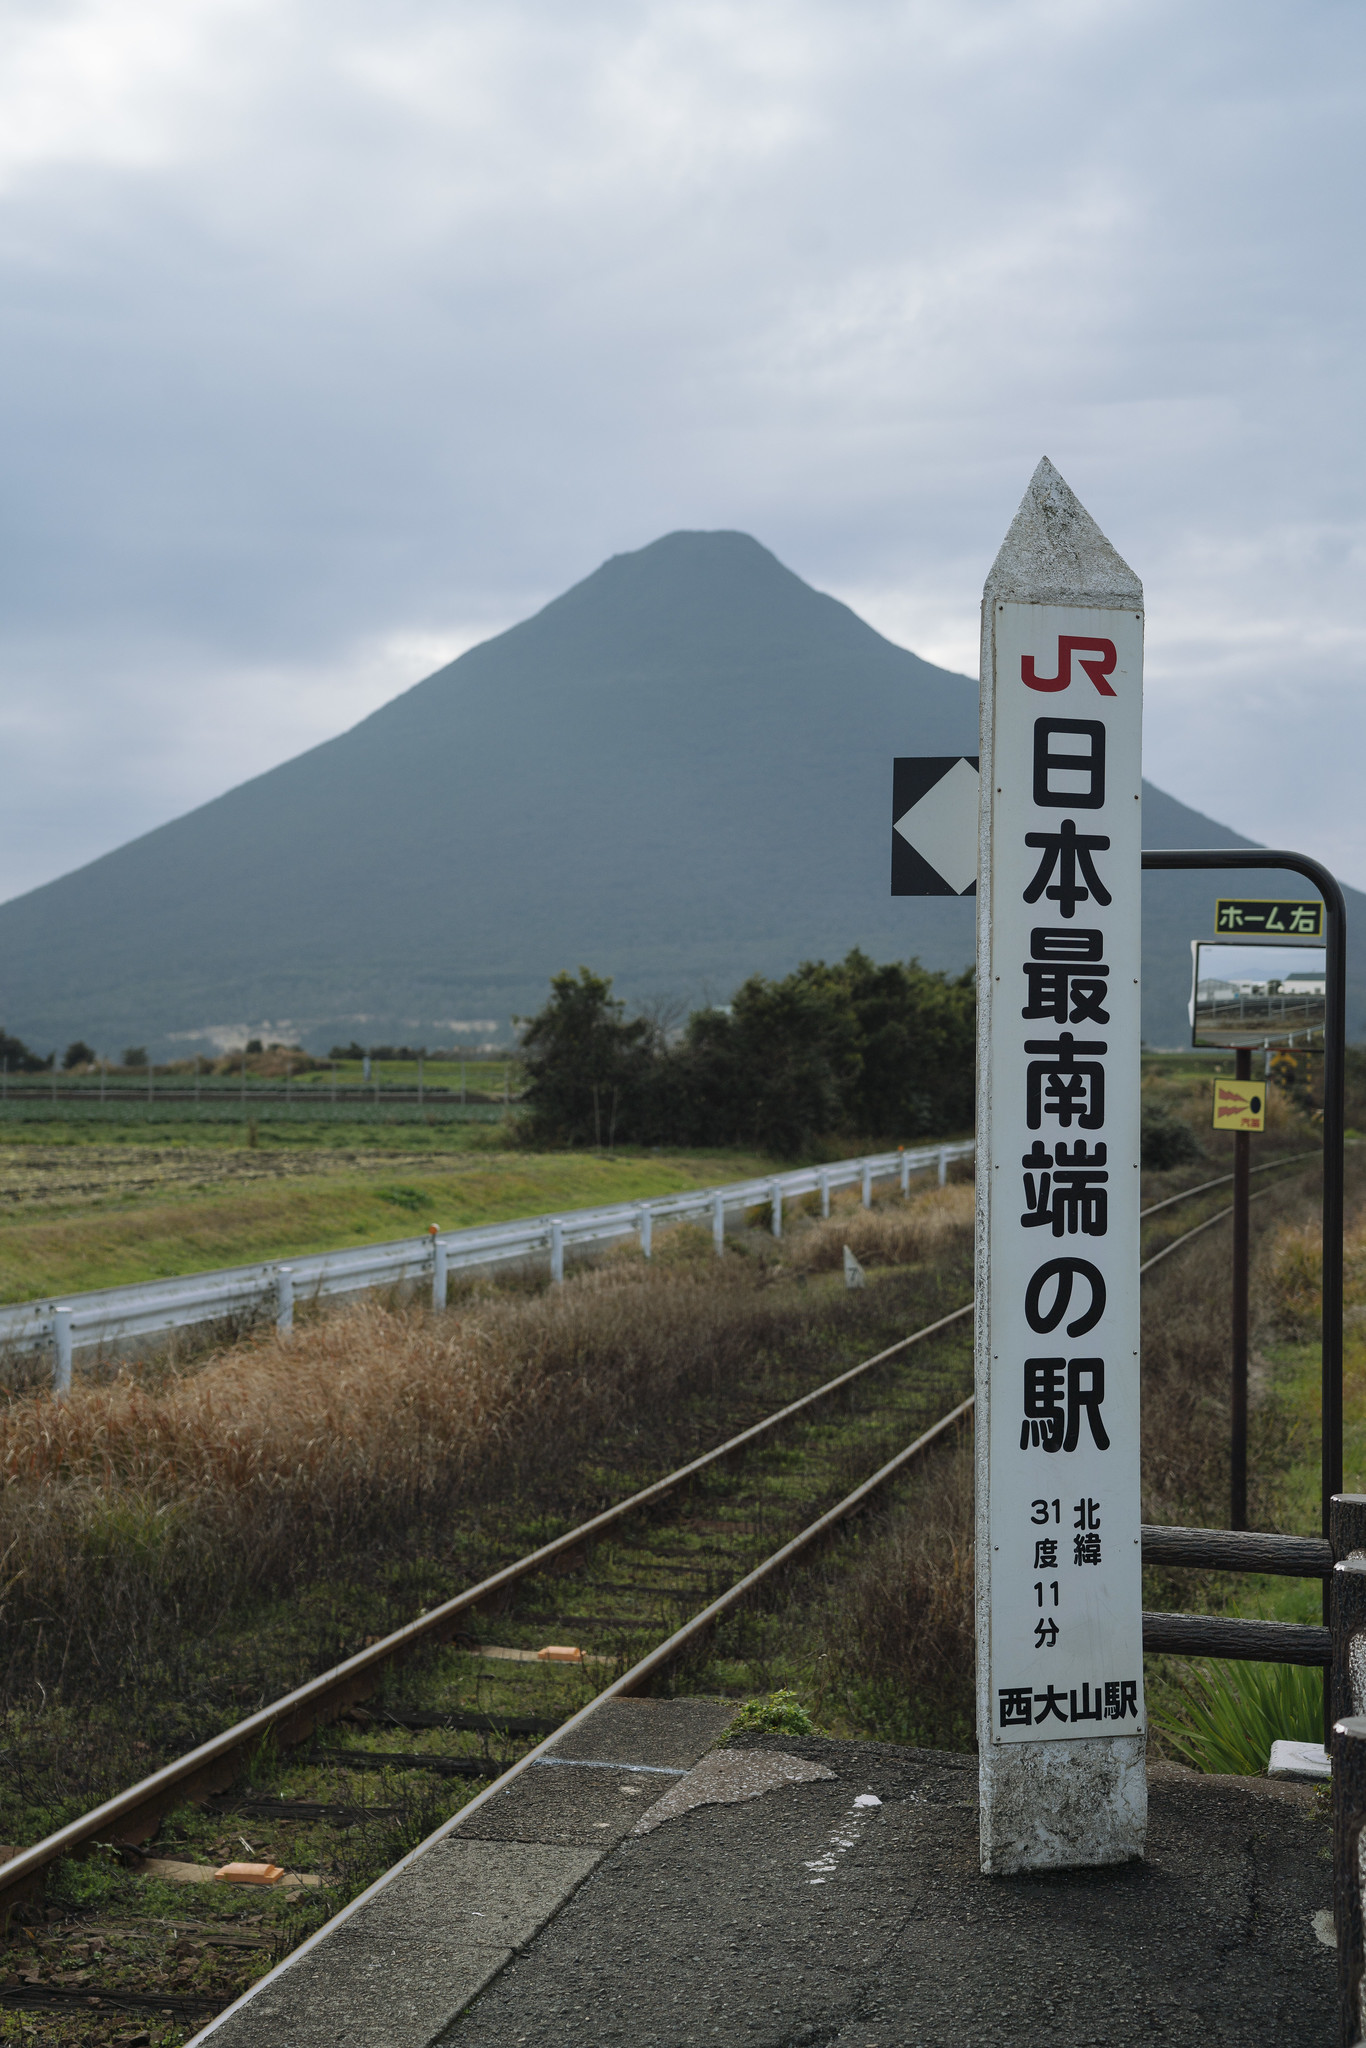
[[820, 1893]]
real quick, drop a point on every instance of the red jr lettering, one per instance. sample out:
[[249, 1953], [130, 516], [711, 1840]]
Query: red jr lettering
[[1097, 661]]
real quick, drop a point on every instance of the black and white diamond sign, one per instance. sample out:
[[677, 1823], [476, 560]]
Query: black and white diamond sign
[[934, 825]]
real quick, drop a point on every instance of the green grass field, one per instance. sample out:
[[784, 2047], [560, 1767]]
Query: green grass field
[[81, 1211]]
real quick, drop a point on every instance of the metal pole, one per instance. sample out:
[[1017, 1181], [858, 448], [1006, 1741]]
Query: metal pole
[[1334, 1118], [777, 1217], [825, 1192], [905, 1171], [438, 1272], [284, 1298], [718, 1222], [867, 1185], [556, 1251], [943, 1164], [61, 1338], [646, 1230], [1242, 1167]]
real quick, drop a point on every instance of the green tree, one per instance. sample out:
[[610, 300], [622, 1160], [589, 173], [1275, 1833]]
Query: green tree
[[773, 1071], [19, 1060], [917, 1045], [588, 1070]]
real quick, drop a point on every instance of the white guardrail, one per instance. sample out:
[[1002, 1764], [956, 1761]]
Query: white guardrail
[[113, 1314]]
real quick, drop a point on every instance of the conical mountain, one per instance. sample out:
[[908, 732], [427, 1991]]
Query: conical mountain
[[679, 772]]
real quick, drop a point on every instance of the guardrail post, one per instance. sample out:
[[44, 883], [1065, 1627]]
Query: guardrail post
[[867, 1185], [718, 1222], [284, 1298], [1349, 1812], [905, 1171], [825, 1192], [943, 1164], [777, 1211], [646, 1229], [556, 1250], [61, 1341], [438, 1272]]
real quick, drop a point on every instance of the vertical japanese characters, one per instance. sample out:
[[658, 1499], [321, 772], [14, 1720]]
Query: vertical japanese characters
[[1065, 1605]]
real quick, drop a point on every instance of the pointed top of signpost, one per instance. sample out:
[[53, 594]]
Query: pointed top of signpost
[[1055, 553]]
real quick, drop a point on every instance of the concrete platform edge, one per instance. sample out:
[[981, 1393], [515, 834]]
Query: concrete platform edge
[[326, 1968]]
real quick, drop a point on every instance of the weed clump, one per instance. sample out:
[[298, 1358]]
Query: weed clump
[[782, 1713]]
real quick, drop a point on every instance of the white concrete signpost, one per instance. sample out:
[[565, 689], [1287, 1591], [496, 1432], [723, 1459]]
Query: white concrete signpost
[[1060, 1709]]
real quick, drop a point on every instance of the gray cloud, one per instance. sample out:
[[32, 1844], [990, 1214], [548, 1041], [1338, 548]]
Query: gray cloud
[[337, 336]]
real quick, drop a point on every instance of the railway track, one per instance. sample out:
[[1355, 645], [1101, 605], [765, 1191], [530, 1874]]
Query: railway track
[[428, 1718]]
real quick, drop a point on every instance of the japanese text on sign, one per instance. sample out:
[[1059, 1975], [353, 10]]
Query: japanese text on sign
[[1065, 1606], [1274, 917]]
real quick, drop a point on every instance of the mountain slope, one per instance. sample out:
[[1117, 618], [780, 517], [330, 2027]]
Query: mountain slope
[[678, 772]]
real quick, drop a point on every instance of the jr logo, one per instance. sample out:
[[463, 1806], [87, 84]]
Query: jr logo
[[1095, 657]]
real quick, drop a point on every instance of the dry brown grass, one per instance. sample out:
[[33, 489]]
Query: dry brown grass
[[1293, 1282], [1186, 1352], [893, 1233], [131, 1514], [898, 1627]]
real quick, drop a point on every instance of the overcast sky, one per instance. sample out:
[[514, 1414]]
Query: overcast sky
[[337, 336]]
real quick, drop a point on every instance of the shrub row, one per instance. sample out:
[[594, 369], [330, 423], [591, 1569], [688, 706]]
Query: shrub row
[[853, 1050]]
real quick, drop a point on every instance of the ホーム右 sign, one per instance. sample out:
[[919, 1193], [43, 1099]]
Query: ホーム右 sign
[[1263, 916], [1060, 1666]]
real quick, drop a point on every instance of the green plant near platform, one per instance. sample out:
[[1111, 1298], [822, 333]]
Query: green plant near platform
[[1225, 1717], [782, 1713]]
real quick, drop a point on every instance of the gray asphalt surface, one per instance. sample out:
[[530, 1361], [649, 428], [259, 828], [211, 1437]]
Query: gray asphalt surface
[[802, 1918]]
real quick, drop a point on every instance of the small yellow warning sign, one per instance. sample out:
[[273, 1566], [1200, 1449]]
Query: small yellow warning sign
[[1239, 1106]]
